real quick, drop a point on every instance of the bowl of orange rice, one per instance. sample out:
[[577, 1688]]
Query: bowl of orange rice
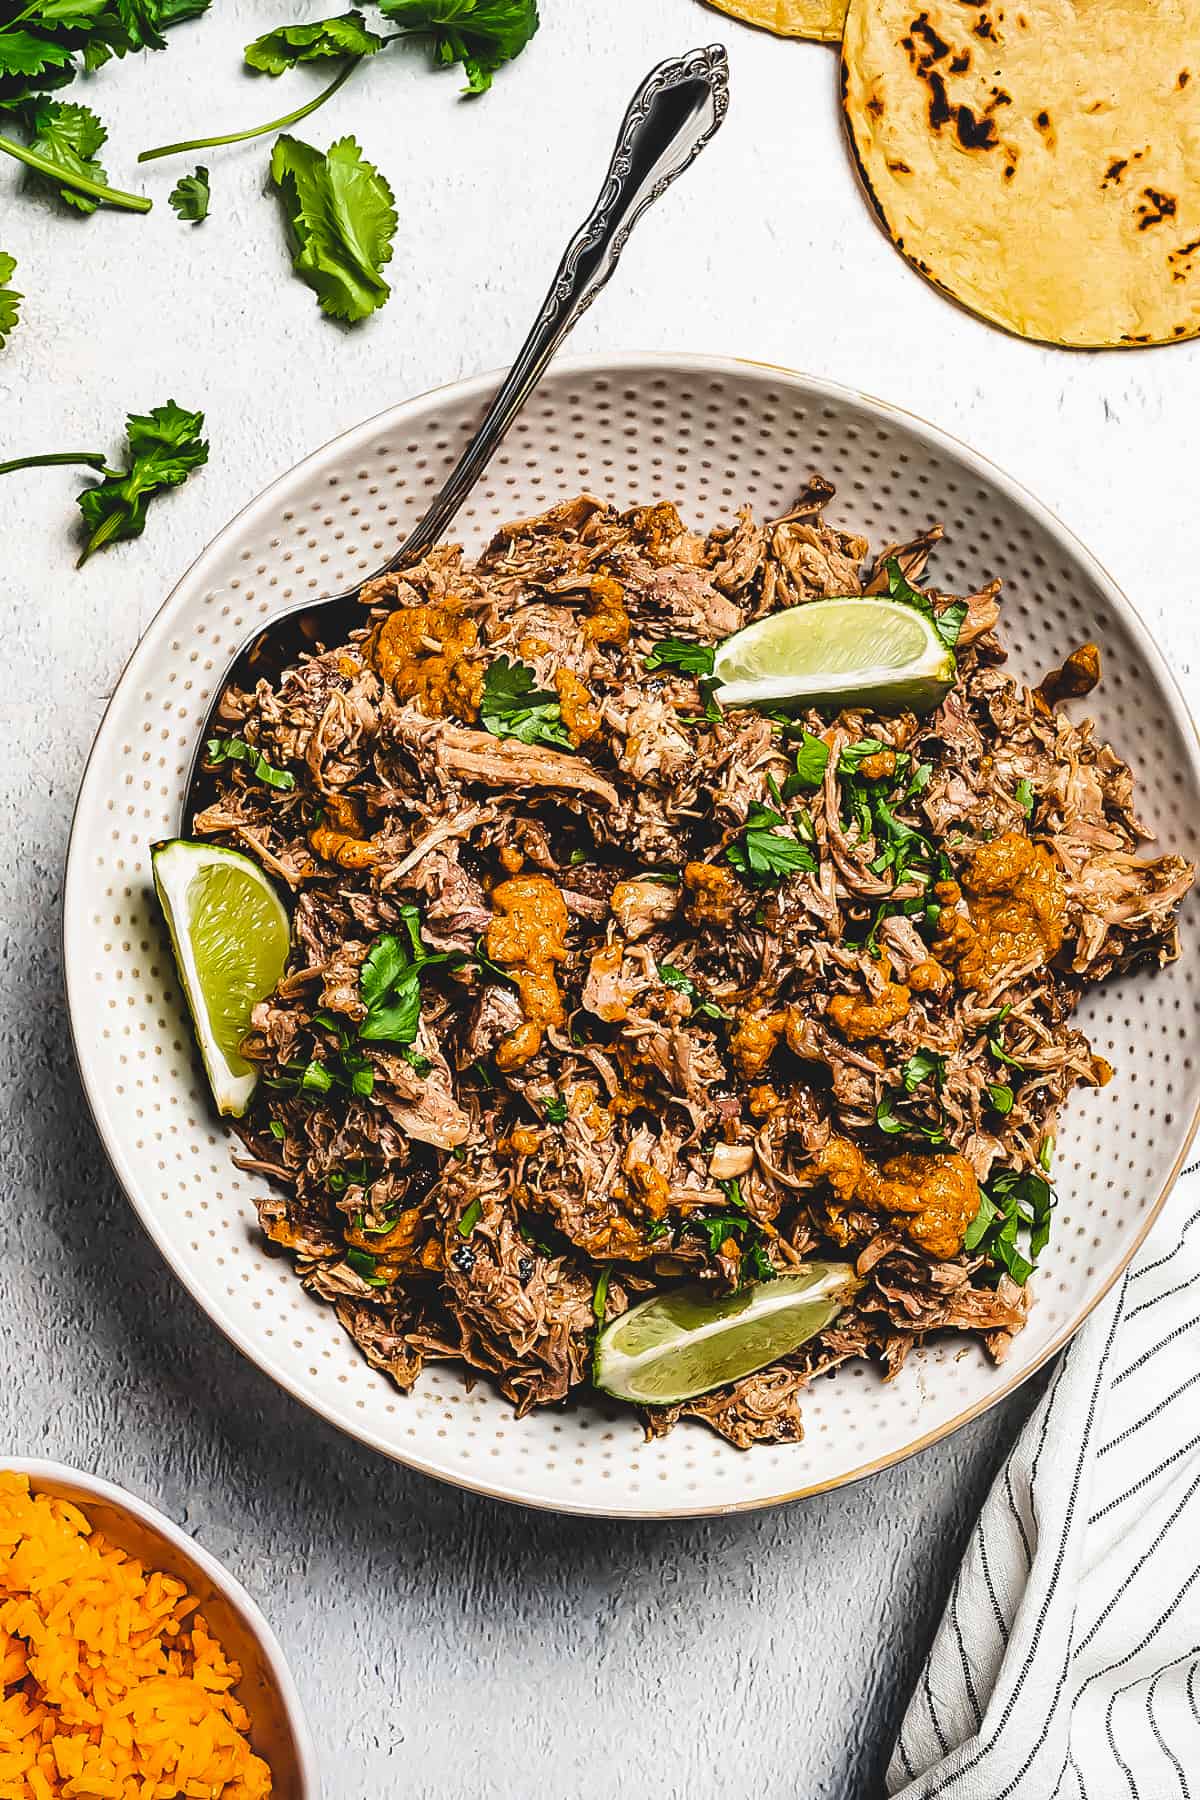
[[132, 1665]]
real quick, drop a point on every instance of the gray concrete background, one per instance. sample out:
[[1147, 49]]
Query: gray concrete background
[[448, 1646]]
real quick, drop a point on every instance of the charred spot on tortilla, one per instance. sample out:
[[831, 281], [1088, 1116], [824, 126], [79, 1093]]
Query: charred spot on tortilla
[[1154, 207]]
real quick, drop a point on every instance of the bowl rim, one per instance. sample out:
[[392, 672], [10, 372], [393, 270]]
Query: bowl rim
[[44, 1469], [481, 386]]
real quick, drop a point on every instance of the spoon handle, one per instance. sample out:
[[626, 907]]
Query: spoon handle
[[676, 110]]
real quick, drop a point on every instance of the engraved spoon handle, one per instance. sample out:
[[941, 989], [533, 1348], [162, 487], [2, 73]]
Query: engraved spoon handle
[[676, 110]]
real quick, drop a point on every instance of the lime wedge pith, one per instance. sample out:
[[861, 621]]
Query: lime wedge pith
[[685, 1343], [878, 654], [229, 931]]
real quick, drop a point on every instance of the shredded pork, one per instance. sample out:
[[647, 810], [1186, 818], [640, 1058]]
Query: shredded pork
[[636, 1050]]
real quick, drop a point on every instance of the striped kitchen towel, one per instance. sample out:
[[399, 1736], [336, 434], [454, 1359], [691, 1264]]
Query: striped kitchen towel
[[1068, 1660]]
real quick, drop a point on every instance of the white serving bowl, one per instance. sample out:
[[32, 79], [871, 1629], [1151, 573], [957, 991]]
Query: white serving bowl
[[709, 433], [278, 1731]]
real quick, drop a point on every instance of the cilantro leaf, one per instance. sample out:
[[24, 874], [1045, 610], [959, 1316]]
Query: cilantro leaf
[[364, 1264], [221, 750], [555, 1108], [812, 760], [10, 299], [854, 754], [512, 707], [1024, 796], [765, 853], [164, 447], [287, 45], [682, 654], [190, 196], [1012, 1205], [69, 137], [479, 34], [1001, 1096], [947, 623], [680, 983], [389, 984], [920, 1066], [341, 219]]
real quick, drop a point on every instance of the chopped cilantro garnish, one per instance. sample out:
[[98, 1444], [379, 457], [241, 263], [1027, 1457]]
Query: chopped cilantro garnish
[[675, 979], [1001, 1096], [765, 853], [390, 984], [854, 754], [470, 1218], [555, 1108], [1024, 796], [683, 654], [366, 1265], [920, 1066], [221, 750], [1012, 1205], [600, 1295], [513, 707], [277, 1130], [948, 623], [812, 760]]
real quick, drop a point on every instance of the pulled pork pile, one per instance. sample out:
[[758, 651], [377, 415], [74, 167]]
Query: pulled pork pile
[[588, 976]]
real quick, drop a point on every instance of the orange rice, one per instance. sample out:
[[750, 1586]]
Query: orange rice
[[111, 1687]]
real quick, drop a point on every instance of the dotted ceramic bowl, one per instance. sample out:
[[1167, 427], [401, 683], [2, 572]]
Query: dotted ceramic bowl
[[278, 1729], [709, 434]]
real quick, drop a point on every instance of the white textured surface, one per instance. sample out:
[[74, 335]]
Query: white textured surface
[[448, 1646]]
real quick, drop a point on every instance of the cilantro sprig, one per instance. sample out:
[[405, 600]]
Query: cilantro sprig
[[163, 447], [44, 44], [481, 35], [512, 706]]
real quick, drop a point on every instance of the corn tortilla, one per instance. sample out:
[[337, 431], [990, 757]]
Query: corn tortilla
[[1040, 162], [790, 18]]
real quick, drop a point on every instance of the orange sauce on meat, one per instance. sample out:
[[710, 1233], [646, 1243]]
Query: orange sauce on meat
[[859, 1016], [876, 767], [579, 713], [522, 1140], [651, 1187], [398, 1240], [931, 1198], [339, 847], [1016, 901], [712, 894], [752, 1042], [528, 934], [422, 652], [763, 1101], [927, 977], [340, 839], [608, 621]]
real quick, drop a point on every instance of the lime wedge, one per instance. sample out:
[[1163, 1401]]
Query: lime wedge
[[684, 1342], [229, 932], [874, 653]]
